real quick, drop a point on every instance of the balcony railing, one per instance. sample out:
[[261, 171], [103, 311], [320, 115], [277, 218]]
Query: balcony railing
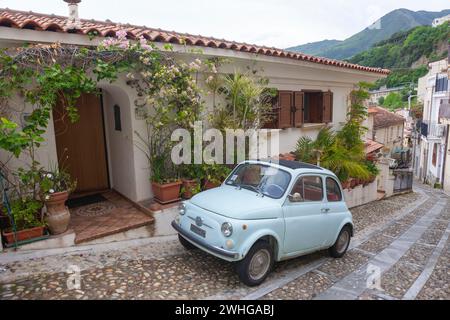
[[432, 129]]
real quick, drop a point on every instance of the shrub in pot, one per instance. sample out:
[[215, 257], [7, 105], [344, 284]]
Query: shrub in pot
[[56, 186], [166, 185], [192, 175], [28, 220], [215, 174]]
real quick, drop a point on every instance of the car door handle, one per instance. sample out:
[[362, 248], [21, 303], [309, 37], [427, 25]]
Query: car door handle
[[325, 210]]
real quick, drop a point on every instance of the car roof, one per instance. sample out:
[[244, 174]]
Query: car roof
[[293, 166]]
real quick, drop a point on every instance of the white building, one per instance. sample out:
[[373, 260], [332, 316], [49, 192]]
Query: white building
[[431, 147], [440, 21], [383, 92], [323, 84]]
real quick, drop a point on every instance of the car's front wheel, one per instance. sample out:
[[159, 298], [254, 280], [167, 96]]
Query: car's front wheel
[[186, 244], [256, 266], [341, 245]]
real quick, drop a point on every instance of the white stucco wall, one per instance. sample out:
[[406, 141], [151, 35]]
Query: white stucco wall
[[120, 145], [361, 195], [46, 155]]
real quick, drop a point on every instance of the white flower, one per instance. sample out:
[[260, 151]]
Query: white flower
[[47, 197], [49, 175], [51, 191]]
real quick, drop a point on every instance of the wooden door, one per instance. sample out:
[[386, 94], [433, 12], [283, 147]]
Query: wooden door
[[81, 146]]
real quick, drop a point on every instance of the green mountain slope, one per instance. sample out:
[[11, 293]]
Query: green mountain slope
[[316, 48], [407, 53], [394, 22]]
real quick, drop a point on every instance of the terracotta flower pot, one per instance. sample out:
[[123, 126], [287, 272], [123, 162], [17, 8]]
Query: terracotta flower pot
[[58, 215], [346, 185], [23, 235], [188, 188], [166, 193], [207, 185]]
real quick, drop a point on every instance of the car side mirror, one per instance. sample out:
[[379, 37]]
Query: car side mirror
[[296, 197]]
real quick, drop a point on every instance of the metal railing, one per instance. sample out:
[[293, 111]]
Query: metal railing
[[432, 129]]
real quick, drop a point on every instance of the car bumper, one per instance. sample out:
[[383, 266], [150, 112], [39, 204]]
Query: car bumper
[[219, 252]]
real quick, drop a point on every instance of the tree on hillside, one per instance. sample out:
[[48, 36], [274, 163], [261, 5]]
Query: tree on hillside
[[393, 101]]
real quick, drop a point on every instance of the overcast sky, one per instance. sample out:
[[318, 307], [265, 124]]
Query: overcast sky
[[279, 23]]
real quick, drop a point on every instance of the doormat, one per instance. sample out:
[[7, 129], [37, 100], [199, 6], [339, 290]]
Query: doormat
[[84, 201]]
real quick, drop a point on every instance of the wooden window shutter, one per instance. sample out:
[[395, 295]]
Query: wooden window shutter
[[285, 103], [328, 107], [299, 98]]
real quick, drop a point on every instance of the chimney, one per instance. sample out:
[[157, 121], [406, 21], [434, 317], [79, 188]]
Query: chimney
[[73, 21]]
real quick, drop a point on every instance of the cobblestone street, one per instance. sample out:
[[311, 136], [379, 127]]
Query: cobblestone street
[[405, 239]]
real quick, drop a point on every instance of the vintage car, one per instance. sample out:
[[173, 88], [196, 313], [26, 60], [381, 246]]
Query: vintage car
[[266, 212]]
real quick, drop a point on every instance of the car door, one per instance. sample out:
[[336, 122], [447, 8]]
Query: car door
[[303, 217], [334, 210]]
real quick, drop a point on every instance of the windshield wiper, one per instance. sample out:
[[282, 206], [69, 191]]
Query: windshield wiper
[[256, 189]]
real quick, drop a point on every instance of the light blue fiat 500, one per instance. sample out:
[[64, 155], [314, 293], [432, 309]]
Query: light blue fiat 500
[[266, 212]]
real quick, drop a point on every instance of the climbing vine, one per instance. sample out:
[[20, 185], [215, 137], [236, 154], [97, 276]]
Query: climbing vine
[[47, 75]]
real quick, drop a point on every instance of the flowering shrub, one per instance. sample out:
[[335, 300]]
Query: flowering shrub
[[47, 74], [56, 181]]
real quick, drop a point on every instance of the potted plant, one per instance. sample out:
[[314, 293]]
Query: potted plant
[[56, 186], [214, 175], [192, 175], [28, 221], [165, 184]]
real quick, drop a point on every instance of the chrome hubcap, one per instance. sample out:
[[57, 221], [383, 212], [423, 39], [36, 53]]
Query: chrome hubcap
[[259, 265], [342, 241]]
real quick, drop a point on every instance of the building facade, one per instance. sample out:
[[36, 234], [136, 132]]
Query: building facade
[[431, 144], [321, 86], [386, 128]]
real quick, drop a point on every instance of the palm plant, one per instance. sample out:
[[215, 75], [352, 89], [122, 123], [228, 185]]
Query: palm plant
[[341, 152], [330, 152], [248, 100]]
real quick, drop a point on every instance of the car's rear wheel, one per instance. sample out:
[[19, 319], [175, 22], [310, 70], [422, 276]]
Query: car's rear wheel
[[186, 244], [340, 247], [256, 266]]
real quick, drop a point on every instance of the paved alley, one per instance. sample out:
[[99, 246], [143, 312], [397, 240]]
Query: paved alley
[[400, 251]]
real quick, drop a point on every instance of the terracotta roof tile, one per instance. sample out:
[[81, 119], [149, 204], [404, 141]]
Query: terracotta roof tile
[[383, 118], [372, 146], [45, 22]]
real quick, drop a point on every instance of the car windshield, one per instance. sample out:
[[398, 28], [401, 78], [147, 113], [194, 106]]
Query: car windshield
[[259, 178]]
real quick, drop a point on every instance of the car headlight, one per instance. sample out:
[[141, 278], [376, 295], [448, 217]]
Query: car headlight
[[227, 229], [182, 209]]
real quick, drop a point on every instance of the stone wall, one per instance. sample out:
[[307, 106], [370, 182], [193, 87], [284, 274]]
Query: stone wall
[[361, 195]]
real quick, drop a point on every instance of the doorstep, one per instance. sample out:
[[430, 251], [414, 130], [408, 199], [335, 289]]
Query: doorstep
[[114, 216]]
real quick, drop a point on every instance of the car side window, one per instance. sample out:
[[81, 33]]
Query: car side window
[[333, 191], [307, 189]]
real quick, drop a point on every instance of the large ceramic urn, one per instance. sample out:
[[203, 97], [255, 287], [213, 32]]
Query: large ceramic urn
[[58, 215]]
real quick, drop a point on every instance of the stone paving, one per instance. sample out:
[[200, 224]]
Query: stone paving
[[164, 270]]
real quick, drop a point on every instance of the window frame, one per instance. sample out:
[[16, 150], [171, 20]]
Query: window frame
[[339, 187], [301, 176]]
